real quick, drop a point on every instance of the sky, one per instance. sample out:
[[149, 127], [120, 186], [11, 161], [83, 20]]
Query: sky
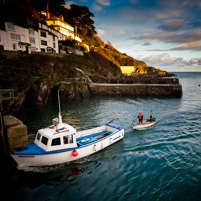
[[165, 34]]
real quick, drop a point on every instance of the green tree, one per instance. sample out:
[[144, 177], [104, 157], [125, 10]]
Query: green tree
[[80, 18], [55, 6]]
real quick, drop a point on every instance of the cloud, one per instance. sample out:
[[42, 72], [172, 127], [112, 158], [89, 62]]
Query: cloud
[[188, 47], [147, 44], [179, 24], [188, 40], [97, 5], [182, 4], [166, 60], [101, 32], [68, 3], [103, 2], [172, 25]]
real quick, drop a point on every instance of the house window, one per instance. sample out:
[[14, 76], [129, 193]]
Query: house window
[[43, 34], [43, 42], [31, 31], [10, 26], [53, 38], [54, 46], [32, 40], [15, 36], [42, 49], [14, 46]]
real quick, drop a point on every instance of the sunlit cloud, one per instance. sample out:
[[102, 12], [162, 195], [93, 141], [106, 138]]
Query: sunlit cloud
[[172, 25], [101, 32], [96, 7], [103, 2], [166, 60], [68, 3]]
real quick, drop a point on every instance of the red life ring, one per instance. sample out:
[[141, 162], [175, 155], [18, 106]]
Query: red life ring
[[174, 80]]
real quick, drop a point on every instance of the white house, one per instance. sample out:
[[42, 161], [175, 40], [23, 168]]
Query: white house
[[14, 37], [63, 27], [40, 38]]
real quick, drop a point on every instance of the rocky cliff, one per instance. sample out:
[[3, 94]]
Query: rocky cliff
[[36, 79]]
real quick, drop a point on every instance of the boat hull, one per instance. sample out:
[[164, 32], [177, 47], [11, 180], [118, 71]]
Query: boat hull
[[49, 159], [145, 124]]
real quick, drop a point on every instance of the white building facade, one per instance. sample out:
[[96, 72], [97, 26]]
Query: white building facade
[[63, 27], [31, 39]]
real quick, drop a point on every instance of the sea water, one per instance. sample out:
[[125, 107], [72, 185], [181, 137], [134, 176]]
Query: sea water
[[159, 163]]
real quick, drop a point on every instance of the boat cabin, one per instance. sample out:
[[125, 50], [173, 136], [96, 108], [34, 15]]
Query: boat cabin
[[56, 137]]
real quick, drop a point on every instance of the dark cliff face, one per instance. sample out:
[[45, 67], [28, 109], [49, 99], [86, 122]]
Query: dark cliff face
[[36, 79]]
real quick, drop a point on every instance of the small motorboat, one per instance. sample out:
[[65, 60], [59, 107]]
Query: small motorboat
[[61, 143], [145, 123]]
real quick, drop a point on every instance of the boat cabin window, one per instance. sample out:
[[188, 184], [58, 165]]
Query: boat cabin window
[[38, 136], [56, 142], [44, 140], [68, 139]]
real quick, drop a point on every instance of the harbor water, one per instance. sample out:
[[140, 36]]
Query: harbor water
[[158, 163]]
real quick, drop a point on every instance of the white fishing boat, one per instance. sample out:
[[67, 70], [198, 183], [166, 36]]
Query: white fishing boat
[[60, 143], [145, 124]]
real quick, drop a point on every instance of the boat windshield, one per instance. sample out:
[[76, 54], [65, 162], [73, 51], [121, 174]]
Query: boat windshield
[[44, 140]]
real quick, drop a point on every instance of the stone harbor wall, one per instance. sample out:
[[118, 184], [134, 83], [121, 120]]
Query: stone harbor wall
[[16, 132], [137, 89]]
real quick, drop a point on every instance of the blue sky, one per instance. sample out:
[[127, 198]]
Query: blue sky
[[165, 34]]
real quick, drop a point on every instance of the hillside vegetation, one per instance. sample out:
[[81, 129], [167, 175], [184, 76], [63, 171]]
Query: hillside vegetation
[[24, 71]]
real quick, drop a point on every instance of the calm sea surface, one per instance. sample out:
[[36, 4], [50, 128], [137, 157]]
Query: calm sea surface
[[159, 163]]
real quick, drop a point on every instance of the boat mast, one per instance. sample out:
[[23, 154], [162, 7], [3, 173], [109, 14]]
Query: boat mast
[[60, 118]]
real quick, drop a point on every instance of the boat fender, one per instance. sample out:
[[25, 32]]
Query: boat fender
[[74, 153], [95, 147], [57, 130], [51, 127]]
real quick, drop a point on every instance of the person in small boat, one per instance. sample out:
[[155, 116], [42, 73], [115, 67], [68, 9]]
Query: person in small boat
[[151, 118], [140, 117]]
